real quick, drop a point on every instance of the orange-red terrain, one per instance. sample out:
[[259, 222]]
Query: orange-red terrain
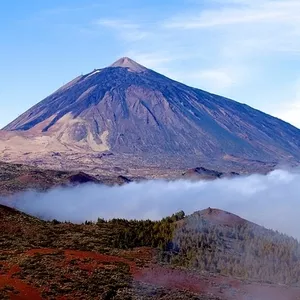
[[159, 276], [52, 260], [20, 289]]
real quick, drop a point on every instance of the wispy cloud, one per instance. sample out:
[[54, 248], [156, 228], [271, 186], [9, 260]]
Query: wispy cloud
[[234, 48], [290, 112], [160, 61], [217, 79], [276, 21], [126, 30], [224, 17], [289, 109]]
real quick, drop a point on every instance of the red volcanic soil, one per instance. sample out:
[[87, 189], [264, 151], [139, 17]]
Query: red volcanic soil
[[160, 276], [22, 291], [72, 254], [25, 291], [27, 178], [221, 217], [221, 286]]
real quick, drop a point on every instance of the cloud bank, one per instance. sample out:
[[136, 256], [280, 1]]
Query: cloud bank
[[270, 200]]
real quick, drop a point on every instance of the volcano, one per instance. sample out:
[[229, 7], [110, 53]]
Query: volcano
[[126, 110]]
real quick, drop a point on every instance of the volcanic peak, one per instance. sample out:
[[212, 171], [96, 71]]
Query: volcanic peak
[[126, 62]]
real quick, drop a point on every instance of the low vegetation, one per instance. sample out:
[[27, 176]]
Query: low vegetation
[[197, 243], [243, 250]]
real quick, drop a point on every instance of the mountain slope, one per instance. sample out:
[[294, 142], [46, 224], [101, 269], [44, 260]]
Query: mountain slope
[[129, 109], [92, 260], [221, 242]]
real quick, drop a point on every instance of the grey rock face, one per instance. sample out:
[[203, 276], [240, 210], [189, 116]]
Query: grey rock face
[[145, 113]]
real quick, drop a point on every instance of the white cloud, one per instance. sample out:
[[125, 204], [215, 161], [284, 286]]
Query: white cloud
[[126, 30], [222, 46], [216, 80], [264, 11], [276, 21], [154, 60], [225, 17], [289, 110], [270, 200], [255, 37]]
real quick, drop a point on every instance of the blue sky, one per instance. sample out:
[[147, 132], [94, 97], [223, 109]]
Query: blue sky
[[247, 50]]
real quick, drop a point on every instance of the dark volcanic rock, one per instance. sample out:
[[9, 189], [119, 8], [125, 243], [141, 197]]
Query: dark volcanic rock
[[16, 178], [123, 179], [129, 109], [81, 177], [203, 173]]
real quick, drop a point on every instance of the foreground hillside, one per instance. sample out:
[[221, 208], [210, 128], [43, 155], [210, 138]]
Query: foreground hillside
[[130, 116], [194, 257]]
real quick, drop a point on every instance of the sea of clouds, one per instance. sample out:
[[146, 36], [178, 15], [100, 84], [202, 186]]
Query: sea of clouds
[[271, 200]]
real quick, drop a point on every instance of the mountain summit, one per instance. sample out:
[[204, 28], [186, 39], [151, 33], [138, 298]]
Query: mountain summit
[[126, 62], [127, 109]]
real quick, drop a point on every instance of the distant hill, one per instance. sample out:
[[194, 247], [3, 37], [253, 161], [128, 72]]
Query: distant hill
[[143, 118], [16, 177], [221, 242]]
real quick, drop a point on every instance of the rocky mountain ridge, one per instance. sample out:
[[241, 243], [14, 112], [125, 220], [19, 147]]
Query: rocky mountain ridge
[[146, 119]]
